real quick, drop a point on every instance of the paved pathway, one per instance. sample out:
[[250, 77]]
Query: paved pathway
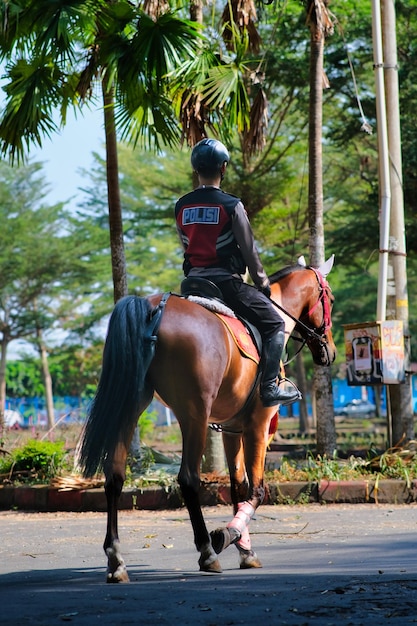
[[323, 565]]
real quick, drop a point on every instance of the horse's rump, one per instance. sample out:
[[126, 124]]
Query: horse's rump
[[197, 359]]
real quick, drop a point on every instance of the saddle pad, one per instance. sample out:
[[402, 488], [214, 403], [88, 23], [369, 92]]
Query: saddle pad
[[241, 337]]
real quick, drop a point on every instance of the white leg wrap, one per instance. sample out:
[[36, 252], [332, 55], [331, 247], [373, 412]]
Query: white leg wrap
[[244, 541], [242, 518]]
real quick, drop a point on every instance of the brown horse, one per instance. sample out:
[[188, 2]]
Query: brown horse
[[177, 349]]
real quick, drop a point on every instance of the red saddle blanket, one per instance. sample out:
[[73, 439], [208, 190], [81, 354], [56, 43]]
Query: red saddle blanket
[[241, 337], [246, 346]]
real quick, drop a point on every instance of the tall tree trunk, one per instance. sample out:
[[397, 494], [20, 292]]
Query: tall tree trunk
[[46, 375], [118, 258], [3, 360], [213, 458], [196, 11], [304, 425], [322, 382]]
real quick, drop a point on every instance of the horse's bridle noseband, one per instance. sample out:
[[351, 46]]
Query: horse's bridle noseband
[[312, 334], [318, 335]]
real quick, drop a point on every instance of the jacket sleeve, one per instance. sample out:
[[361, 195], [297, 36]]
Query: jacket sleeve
[[244, 236]]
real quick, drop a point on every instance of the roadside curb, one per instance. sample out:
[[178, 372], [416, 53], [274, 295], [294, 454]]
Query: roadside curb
[[47, 499]]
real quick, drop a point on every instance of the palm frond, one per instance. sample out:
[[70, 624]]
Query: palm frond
[[254, 138], [162, 44], [319, 17], [194, 118], [151, 124], [31, 95], [242, 14], [58, 25], [225, 88]]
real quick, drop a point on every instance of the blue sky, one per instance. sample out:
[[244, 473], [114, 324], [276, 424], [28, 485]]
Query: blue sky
[[66, 152], [62, 157]]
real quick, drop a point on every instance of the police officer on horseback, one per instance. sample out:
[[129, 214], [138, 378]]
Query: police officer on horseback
[[219, 245]]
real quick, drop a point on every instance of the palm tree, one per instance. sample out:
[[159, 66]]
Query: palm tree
[[57, 53], [320, 24], [220, 91], [55, 56]]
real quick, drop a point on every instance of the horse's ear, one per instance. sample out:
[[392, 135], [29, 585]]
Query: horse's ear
[[301, 261], [325, 269]]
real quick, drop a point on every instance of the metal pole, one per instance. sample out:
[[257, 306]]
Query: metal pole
[[384, 173], [400, 395]]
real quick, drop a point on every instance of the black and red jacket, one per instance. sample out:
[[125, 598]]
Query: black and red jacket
[[204, 220]]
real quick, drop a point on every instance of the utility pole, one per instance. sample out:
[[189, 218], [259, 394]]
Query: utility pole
[[400, 396]]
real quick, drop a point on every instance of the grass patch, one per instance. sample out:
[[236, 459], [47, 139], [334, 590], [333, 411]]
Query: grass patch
[[29, 459], [396, 463], [34, 462]]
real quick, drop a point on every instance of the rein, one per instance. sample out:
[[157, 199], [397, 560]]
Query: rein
[[327, 324]]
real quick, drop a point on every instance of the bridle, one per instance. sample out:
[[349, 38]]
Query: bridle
[[325, 300], [310, 335]]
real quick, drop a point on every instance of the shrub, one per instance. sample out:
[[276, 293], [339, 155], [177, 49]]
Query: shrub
[[37, 461]]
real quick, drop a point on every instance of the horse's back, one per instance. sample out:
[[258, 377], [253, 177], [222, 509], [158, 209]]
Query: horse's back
[[197, 362]]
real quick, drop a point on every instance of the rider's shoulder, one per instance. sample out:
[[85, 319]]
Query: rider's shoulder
[[231, 195], [186, 195]]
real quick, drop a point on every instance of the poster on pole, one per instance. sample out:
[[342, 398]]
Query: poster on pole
[[375, 353]]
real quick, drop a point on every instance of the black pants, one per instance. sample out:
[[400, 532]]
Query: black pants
[[252, 305]]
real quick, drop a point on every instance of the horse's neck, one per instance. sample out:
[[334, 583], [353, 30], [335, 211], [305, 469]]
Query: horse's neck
[[290, 305]]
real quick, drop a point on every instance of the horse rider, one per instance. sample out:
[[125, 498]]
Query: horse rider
[[219, 245]]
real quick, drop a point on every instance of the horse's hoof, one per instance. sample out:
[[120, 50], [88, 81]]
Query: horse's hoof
[[222, 538], [249, 561], [120, 575], [116, 568], [214, 567]]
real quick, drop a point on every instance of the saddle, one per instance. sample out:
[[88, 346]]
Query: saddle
[[203, 289], [246, 335], [196, 286]]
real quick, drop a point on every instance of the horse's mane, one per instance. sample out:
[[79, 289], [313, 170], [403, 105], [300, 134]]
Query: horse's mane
[[289, 269]]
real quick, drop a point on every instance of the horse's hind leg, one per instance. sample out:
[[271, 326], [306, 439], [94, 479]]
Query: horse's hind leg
[[194, 437], [115, 472]]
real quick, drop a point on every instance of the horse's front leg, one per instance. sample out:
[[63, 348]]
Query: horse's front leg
[[194, 437], [239, 487], [115, 472]]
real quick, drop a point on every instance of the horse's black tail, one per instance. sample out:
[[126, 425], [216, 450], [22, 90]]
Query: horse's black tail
[[123, 391]]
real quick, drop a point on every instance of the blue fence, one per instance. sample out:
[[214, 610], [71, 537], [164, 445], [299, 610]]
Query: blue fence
[[68, 410], [71, 409], [343, 393]]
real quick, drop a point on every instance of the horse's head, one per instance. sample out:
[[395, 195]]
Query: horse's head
[[317, 316], [307, 298]]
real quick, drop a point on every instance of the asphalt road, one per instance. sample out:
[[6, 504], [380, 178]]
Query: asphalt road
[[323, 565]]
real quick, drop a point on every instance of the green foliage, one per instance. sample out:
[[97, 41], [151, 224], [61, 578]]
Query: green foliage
[[44, 285], [35, 461], [396, 463], [74, 370], [272, 184], [55, 53], [147, 423], [24, 378], [150, 185]]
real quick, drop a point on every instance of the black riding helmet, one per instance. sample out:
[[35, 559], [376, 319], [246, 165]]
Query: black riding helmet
[[208, 156]]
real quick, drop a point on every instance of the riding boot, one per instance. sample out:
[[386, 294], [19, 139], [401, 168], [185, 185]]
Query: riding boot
[[271, 393]]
